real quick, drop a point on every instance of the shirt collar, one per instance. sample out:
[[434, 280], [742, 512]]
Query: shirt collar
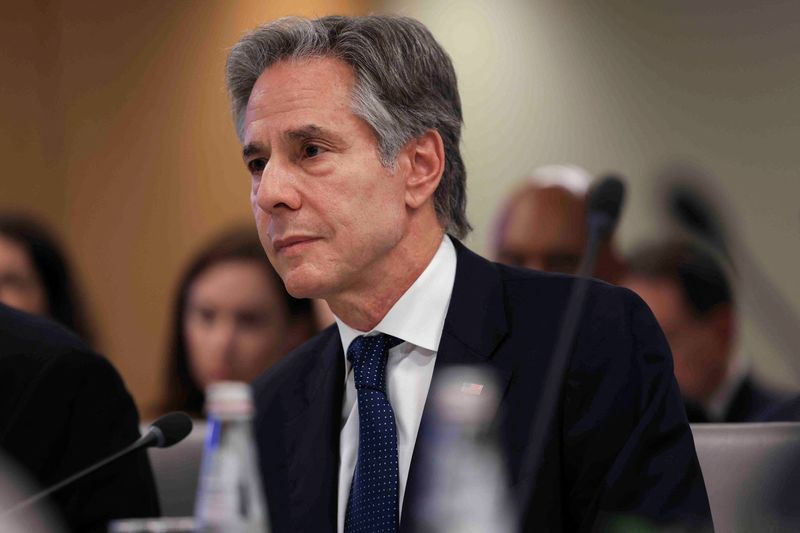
[[418, 316]]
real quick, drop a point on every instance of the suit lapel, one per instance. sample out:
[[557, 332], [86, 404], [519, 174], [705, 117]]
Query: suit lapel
[[312, 442], [474, 327]]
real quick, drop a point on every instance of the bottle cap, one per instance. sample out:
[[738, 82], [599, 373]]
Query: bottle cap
[[229, 398]]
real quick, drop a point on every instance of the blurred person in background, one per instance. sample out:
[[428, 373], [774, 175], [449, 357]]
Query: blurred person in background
[[691, 296], [35, 275], [543, 225], [63, 408], [232, 319]]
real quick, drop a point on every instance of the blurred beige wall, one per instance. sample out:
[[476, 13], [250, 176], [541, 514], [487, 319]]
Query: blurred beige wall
[[115, 130], [27, 178], [629, 87]]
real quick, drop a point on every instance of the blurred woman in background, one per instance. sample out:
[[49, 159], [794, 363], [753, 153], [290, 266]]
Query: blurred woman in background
[[35, 275], [232, 319]]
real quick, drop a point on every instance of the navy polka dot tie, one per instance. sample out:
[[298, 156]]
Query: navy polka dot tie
[[373, 502]]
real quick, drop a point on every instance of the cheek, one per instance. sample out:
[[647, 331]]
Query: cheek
[[39, 301], [374, 219], [688, 354], [681, 371], [197, 352], [254, 199], [261, 219], [31, 299], [257, 351]]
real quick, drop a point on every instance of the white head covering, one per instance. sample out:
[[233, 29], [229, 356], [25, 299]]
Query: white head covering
[[571, 177]]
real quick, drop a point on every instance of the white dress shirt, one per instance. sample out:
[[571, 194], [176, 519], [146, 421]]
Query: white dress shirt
[[417, 318]]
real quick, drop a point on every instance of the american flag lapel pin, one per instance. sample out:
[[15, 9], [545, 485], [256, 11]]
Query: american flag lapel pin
[[472, 389]]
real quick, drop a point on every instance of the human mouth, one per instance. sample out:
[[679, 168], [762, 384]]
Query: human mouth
[[292, 244]]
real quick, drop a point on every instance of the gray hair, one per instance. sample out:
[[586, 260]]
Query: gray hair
[[405, 85]]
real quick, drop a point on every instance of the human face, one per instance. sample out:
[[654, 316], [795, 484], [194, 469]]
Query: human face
[[329, 214], [693, 340], [20, 286], [544, 231], [235, 324]]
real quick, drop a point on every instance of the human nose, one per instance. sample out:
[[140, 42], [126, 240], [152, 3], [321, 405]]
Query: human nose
[[221, 337], [277, 188]]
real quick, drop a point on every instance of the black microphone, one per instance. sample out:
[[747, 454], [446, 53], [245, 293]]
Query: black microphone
[[604, 205], [168, 430], [162, 433]]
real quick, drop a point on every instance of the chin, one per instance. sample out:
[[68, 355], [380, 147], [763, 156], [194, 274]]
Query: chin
[[302, 285]]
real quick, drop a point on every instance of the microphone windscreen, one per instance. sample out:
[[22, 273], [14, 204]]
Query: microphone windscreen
[[606, 198], [173, 428]]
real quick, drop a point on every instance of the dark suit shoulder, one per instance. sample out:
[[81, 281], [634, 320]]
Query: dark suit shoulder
[[531, 291], [63, 407], [29, 335], [42, 362], [620, 410], [553, 283]]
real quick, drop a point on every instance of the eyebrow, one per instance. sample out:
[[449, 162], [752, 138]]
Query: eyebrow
[[312, 131], [253, 148], [306, 132]]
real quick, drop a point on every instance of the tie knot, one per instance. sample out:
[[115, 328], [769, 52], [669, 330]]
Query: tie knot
[[368, 357]]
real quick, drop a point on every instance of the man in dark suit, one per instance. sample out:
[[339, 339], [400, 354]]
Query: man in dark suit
[[690, 294], [351, 130], [63, 408]]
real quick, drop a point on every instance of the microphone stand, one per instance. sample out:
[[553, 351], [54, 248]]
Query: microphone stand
[[164, 432], [599, 223], [556, 371], [143, 441]]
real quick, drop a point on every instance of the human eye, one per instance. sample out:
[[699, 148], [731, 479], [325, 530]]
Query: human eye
[[311, 150], [257, 166], [202, 315], [252, 319]]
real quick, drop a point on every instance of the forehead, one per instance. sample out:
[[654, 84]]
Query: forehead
[[234, 281], [304, 90], [545, 218]]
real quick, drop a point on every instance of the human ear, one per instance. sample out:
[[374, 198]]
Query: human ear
[[425, 155]]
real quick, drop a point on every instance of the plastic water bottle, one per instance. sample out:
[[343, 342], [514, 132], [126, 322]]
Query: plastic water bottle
[[466, 489], [230, 497]]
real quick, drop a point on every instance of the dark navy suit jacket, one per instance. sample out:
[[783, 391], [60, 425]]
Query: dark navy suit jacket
[[619, 443]]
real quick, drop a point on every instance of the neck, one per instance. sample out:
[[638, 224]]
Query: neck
[[364, 309]]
